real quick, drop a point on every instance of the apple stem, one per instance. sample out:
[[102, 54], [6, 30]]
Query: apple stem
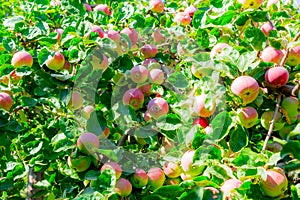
[[272, 122]]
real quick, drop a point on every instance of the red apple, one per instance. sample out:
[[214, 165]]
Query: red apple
[[55, 62], [246, 88], [123, 187], [104, 8], [146, 89], [156, 177], [266, 28], [112, 165], [157, 6], [22, 58], [67, 65], [217, 49], [139, 74], [270, 54], [158, 107], [149, 61], [76, 101], [172, 170], [98, 29], [87, 143], [133, 97], [201, 121], [187, 165], [294, 56], [139, 179], [199, 106], [87, 110], [158, 37], [113, 35], [59, 32], [276, 183], [6, 101], [230, 185], [183, 18], [87, 7], [247, 117], [149, 50], [132, 34], [277, 77], [271, 2], [98, 63], [156, 76], [190, 10]]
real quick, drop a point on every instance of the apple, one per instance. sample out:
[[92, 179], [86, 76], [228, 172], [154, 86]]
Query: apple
[[156, 76], [123, 187], [104, 8], [157, 6], [54, 3], [277, 77], [55, 62], [266, 28], [76, 101], [173, 181], [148, 61], [187, 164], [149, 50], [201, 121], [190, 10], [270, 54], [289, 107], [158, 37], [6, 101], [217, 49], [113, 35], [98, 29], [80, 163], [156, 177], [247, 116], [267, 117], [98, 63], [199, 71], [271, 2], [59, 32], [251, 3], [172, 170], [246, 88], [132, 34], [67, 65], [199, 106], [183, 18], [230, 185], [294, 56], [146, 89], [158, 107], [274, 147], [133, 97], [22, 58], [87, 142], [139, 74], [285, 131], [276, 183], [112, 165], [88, 7], [105, 133], [87, 110], [208, 130], [139, 179]]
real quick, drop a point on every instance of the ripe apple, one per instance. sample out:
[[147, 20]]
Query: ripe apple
[[266, 118], [55, 62], [67, 65], [276, 183], [172, 170], [183, 18], [270, 54], [22, 58], [6, 101], [87, 7], [158, 107], [229, 185], [139, 179], [87, 142], [294, 56], [133, 97], [59, 32], [146, 89], [251, 3], [104, 8], [277, 77], [148, 61], [113, 35], [156, 177], [123, 187], [99, 64], [98, 29], [80, 163], [87, 110], [149, 50], [139, 74], [76, 101], [266, 28], [199, 106], [54, 3], [190, 10], [187, 164], [156, 76], [157, 6], [158, 37], [132, 34], [217, 49], [201, 121], [246, 88], [247, 116], [112, 165]]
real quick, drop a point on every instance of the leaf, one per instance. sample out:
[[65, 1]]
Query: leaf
[[11, 22], [255, 36], [178, 80], [198, 17], [238, 139], [169, 192], [168, 122], [246, 59], [292, 148], [221, 125]]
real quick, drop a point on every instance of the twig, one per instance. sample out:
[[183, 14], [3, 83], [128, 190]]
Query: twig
[[272, 123], [283, 60]]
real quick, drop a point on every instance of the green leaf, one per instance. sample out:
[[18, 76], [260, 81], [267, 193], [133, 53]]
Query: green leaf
[[221, 125], [198, 17], [11, 22], [246, 59], [169, 122], [291, 148], [178, 80], [255, 36], [169, 192], [238, 139]]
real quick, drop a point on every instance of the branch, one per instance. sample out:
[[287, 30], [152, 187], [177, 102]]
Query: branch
[[283, 60], [272, 122]]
